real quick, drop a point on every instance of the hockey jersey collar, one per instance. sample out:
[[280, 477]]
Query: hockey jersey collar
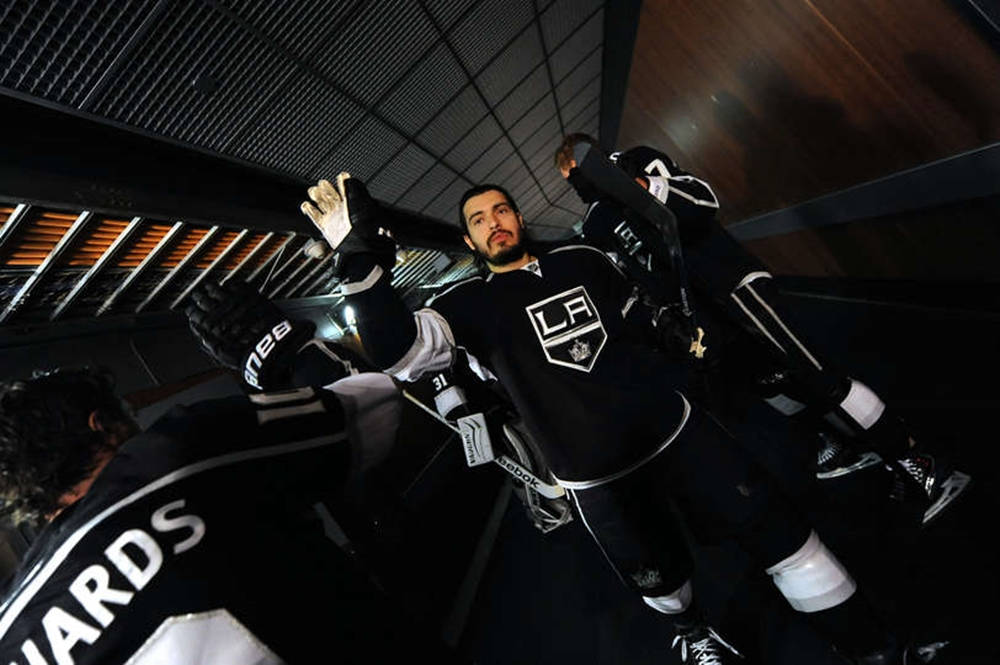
[[532, 267]]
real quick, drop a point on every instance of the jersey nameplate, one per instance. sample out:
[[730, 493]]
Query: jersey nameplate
[[569, 329], [138, 557]]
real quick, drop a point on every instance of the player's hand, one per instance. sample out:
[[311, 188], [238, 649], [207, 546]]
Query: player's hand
[[347, 216], [245, 331]]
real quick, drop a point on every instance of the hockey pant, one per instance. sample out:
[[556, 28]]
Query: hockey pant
[[720, 494], [846, 403]]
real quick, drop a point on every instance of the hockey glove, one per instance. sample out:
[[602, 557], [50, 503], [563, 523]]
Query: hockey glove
[[349, 219], [245, 331]]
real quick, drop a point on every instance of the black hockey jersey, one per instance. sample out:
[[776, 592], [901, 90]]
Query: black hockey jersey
[[593, 390], [715, 261], [197, 544]]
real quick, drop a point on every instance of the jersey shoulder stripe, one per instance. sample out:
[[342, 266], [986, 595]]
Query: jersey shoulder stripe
[[456, 285]]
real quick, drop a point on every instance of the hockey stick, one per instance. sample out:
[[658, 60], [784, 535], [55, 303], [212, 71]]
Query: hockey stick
[[616, 184], [506, 463]]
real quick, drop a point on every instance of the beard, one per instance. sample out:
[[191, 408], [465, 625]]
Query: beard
[[506, 255]]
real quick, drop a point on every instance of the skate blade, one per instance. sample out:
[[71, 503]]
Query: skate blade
[[926, 653], [953, 487], [867, 459]]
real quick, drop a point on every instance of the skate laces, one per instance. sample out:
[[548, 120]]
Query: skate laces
[[921, 469], [830, 451], [704, 651]]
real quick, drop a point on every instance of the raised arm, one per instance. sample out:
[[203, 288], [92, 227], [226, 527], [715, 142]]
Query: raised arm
[[400, 343]]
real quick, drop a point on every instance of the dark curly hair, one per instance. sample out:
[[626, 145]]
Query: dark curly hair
[[46, 444]]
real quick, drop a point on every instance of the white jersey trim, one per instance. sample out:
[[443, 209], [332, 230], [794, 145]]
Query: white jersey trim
[[588, 484], [20, 598], [751, 276], [368, 282]]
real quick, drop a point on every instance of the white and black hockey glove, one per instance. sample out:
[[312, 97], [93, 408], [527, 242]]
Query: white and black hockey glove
[[350, 221], [245, 331]]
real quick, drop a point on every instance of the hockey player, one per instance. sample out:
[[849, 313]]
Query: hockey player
[[194, 541], [603, 405], [733, 283]]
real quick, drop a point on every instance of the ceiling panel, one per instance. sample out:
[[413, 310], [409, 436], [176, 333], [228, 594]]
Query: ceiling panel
[[446, 12], [427, 188], [458, 118], [579, 77], [369, 147], [444, 205], [588, 97], [511, 66], [300, 26], [375, 47], [563, 17], [293, 124], [489, 159], [61, 51], [398, 175], [578, 47], [482, 137], [522, 98], [484, 32], [535, 118], [434, 81]]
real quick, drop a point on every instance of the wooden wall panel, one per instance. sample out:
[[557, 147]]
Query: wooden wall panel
[[955, 243], [776, 102]]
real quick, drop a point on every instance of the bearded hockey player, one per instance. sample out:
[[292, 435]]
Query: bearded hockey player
[[604, 406], [734, 285], [194, 541]]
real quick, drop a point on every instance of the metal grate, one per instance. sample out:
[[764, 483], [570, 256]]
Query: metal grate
[[527, 93], [564, 58], [198, 77], [533, 120], [435, 81], [370, 146], [514, 64], [472, 145], [489, 160], [444, 206], [459, 117], [427, 188], [296, 25], [60, 50], [400, 173], [485, 30], [563, 17], [309, 115], [378, 41]]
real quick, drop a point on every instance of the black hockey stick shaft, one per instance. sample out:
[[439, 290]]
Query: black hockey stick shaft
[[617, 185]]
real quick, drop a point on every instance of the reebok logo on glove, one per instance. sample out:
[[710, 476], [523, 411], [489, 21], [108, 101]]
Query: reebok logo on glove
[[263, 348]]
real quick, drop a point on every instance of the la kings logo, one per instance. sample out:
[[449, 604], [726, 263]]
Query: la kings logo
[[569, 329]]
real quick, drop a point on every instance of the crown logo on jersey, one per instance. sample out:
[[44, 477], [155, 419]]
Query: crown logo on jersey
[[647, 578], [580, 350]]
